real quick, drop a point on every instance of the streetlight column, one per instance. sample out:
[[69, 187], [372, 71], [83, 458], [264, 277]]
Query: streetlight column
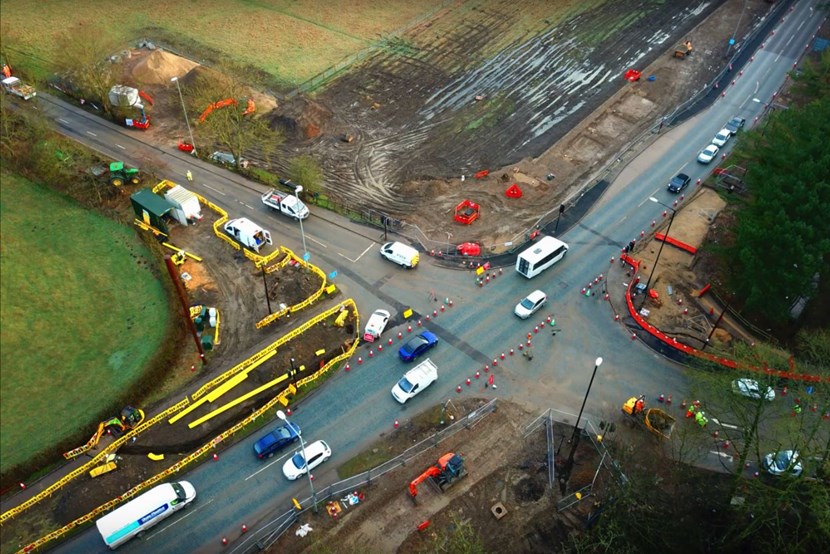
[[660, 251], [184, 110], [282, 416], [297, 192], [574, 436]]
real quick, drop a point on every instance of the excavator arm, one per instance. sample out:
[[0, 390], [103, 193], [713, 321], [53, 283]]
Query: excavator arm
[[432, 471]]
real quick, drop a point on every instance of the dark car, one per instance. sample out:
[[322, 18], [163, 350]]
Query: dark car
[[417, 345], [735, 124], [276, 440], [679, 182]]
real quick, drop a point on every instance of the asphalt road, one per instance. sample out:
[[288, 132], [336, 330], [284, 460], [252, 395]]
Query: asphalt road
[[354, 408]]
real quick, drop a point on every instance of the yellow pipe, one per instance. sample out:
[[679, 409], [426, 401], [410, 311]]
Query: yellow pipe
[[239, 400]]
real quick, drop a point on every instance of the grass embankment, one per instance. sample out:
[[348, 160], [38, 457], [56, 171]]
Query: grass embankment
[[82, 316], [293, 41]]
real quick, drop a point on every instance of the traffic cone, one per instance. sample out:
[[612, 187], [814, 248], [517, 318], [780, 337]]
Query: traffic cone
[[511, 351], [668, 400], [495, 362], [400, 335], [419, 323], [486, 368], [642, 233], [244, 528], [468, 381], [22, 486], [442, 307], [380, 348], [633, 336], [536, 329], [215, 457], [427, 317], [371, 354], [348, 367], [653, 222], [224, 541], [502, 355], [449, 303], [521, 346], [409, 328], [396, 424], [478, 374], [683, 404], [490, 381], [288, 411], [359, 360], [390, 342], [616, 317], [434, 313], [458, 388], [612, 259], [661, 398]]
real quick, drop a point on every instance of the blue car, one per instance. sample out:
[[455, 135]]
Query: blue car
[[417, 345], [276, 440]]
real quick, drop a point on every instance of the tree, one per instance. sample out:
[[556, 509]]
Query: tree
[[783, 235], [229, 126], [83, 56], [304, 171]]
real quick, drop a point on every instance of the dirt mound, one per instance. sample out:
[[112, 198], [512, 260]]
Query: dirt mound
[[301, 119], [159, 67]]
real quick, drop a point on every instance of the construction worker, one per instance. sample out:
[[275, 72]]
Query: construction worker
[[638, 406], [189, 176], [700, 419]]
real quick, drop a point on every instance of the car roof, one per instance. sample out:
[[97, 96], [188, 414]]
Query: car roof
[[536, 295], [681, 177], [724, 131]]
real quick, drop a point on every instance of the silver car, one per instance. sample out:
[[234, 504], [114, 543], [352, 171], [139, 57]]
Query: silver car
[[708, 154], [530, 304], [751, 389]]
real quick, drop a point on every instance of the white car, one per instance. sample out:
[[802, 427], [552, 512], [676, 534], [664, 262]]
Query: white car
[[530, 304], [722, 137], [376, 324], [751, 389], [415, 380], [708, 154], [783, 461], [317, 452]]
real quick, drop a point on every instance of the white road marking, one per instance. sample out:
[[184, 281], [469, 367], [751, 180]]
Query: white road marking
[[190, 512], [264, 468], [722, 455], [217, 191], [312, 239], [121, 147], [756, 100], [63, 121], [247, 206], [789, 41], [90, 133], [356, 259], [727, 425], [623, 218]]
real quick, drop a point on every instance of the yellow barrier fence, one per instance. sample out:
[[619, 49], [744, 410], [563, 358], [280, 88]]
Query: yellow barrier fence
[[52, 489], [305, 303]]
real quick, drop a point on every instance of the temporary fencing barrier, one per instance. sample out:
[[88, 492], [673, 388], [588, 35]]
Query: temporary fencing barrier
[[289, 255]]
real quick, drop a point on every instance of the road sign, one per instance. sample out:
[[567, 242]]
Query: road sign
[[333, 274], [307, 256]]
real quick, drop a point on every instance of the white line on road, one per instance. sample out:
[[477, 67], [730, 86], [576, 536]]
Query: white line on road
[[800, 26], [727, 425], [264, 468], [63, 121], [623, 218], [358, 258], [247, 206], [217, 191], [191, 511], [312, 239], [91, 134], [789, 41], [121, 147], [721, 454]]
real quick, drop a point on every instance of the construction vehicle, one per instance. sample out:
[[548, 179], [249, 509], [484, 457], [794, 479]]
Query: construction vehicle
[[121, 174], [130, 419], [682, 51], [444, 474], [655, 420]]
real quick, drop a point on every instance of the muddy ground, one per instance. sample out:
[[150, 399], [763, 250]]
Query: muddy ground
[[502, 467]]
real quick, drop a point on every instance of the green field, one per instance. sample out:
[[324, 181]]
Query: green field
[[291, 40], [81, 312]]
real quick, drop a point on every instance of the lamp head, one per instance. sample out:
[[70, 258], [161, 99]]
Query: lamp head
[[598, 362], [281, 415]]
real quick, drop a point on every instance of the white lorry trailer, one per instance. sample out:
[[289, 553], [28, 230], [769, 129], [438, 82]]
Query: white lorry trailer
[[248, 233], [186, 205], [15, 86], [143, 512], [285, 203]]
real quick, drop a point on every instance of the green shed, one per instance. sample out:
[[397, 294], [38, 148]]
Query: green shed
[[152, 209]]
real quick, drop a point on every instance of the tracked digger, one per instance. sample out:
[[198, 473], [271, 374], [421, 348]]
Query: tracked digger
[[444, 474]]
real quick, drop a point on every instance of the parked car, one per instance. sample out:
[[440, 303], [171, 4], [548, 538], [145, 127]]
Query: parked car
[[735, 124], [276, 440], [226, 158], [783, 461], [679, 182], [722, 137], [401, 254], [376, 324], [415, 380], [530, 304], [417, 345], [751, 389], [708, 154], [317, 452]]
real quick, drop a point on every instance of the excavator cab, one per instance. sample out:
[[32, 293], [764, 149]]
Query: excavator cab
[[131, 417], [444, 474]]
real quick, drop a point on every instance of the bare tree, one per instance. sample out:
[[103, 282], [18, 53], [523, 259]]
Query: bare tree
[[83, 56]]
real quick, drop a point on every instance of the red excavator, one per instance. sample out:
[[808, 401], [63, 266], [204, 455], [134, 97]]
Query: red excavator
[[448, 470]]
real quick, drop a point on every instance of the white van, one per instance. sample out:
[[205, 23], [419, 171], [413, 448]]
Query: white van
[[143, 512], [401, 254]]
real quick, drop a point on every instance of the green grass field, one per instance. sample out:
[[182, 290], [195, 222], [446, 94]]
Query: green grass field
[[291, 40], [81, 315]]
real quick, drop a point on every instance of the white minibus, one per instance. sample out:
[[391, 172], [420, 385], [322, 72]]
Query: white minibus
[[144, 511], [540, 256]]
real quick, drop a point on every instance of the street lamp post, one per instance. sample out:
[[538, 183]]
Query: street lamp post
[[563, 480], [184, 109], [282, 416], [297, 192], [660, 251]]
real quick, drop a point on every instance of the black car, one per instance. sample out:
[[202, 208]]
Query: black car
[[679, 182], [735, 124]]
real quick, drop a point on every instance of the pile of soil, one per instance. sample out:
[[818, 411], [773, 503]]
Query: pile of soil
[[301, 119], [159, 67]]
